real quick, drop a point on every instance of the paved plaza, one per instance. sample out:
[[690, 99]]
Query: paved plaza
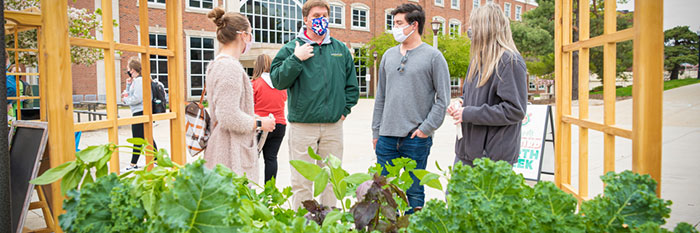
[[681, 150]]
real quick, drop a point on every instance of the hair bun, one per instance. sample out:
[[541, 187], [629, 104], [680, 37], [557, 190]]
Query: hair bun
[[217, 15]]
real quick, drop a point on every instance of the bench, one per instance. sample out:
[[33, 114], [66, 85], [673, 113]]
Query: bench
[[90, 114]]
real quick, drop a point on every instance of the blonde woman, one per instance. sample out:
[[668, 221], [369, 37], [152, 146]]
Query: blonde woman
[[494, 96], [269, 100], [230, 95]]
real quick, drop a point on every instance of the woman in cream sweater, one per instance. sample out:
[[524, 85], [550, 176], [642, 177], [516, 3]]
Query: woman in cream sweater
[[230, 95]]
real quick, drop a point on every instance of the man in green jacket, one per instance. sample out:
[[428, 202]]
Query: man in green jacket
[[319, 74]]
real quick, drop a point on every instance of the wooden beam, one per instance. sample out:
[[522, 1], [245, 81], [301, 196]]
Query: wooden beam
[[56, 55], [92, 125], [110, 82], [647, 90], [176, 83], [609, 80], [583, 74], [608, 129], [83, 42], [619, 36], [566, 81], [164, 116], [24, 18], [558, 33], [146, 74]]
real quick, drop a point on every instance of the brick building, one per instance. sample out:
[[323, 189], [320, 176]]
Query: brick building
[[274, 23]]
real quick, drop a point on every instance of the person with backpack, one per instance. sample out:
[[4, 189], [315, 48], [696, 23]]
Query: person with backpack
[[133, 96]]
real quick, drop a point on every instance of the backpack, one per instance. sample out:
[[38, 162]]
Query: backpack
[[158, 98]]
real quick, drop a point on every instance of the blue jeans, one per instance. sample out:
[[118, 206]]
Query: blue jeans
[[418, 149]]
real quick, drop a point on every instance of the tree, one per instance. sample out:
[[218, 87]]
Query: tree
[[455, 49], [624, 49], [81, 24], [681, 47]]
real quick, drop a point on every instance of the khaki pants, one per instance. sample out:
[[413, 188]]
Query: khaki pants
[[325, 139]]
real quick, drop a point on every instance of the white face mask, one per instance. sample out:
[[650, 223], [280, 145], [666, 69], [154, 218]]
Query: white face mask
[[249, 44], [398, 33]]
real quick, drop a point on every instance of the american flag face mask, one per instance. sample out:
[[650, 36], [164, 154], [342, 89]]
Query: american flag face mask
[[319, 25]]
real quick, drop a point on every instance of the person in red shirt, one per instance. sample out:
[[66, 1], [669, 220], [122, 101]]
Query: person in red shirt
[[269, 100]]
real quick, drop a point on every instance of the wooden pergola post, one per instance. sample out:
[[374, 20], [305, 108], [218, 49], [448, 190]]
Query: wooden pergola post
[[55, 51]]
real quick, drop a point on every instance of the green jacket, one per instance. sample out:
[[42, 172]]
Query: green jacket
[[321, 89]]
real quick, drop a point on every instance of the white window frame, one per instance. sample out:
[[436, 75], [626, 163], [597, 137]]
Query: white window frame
[[200, 10], [444, 24], [188, 48], [342, 14], [458, 24], [506, 10], [452, 4], [363, 7], [440, 4], [518, 13], [387, 13], [269, 35], [476, 4], [154, 5], [489, 1]]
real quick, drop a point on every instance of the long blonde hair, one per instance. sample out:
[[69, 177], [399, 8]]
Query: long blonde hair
[[491, 37], [262, 65]]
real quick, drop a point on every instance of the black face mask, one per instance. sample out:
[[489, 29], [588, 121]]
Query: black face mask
[[128, 74]]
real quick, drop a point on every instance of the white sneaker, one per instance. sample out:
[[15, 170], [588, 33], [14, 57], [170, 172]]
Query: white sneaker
[[132, 168]]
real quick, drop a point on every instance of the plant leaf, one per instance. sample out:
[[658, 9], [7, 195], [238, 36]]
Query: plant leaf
[[313, 154], [72, 179], [357, 178], [200, 200], [334, 162], [102, 171], [308, 170], [364, 212], [137, 141], [429, 178], [54, 174], [164, 160], [93, 153], [321, 182], [332, 217]]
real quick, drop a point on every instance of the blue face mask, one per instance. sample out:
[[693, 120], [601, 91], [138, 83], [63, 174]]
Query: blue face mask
[[319, 25]]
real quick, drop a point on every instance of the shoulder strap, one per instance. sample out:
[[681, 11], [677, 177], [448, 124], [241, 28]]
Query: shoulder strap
[[204, 92]]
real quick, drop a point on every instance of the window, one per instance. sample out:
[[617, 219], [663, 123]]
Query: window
[[455, 4], [439, 2], [159, 64], [361, 58], [274, 22], [489, 1], [336, 16], [205, 4], [506, 9], [476, 4], [455, 28], [389, 18], [518, 11], [359, 17], [156, 1], [201, 53]]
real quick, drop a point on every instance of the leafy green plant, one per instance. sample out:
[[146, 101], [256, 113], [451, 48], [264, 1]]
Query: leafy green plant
[[80, 170], [490, 197]]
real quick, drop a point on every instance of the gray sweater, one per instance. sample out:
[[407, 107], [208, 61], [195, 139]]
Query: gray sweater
[[416, 98], [492, 115], [135, 97]]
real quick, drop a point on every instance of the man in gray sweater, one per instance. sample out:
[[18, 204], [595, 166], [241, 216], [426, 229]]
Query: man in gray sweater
[[413, 92]]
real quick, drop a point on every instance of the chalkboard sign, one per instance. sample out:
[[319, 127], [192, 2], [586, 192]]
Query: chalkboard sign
[[532, 138], [27, 143]]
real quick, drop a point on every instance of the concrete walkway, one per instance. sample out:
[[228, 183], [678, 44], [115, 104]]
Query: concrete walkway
[[681, 150]]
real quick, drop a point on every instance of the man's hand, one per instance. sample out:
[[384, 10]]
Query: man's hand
[[418, 133], [303, 52], [374, 142], [342, 117]]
